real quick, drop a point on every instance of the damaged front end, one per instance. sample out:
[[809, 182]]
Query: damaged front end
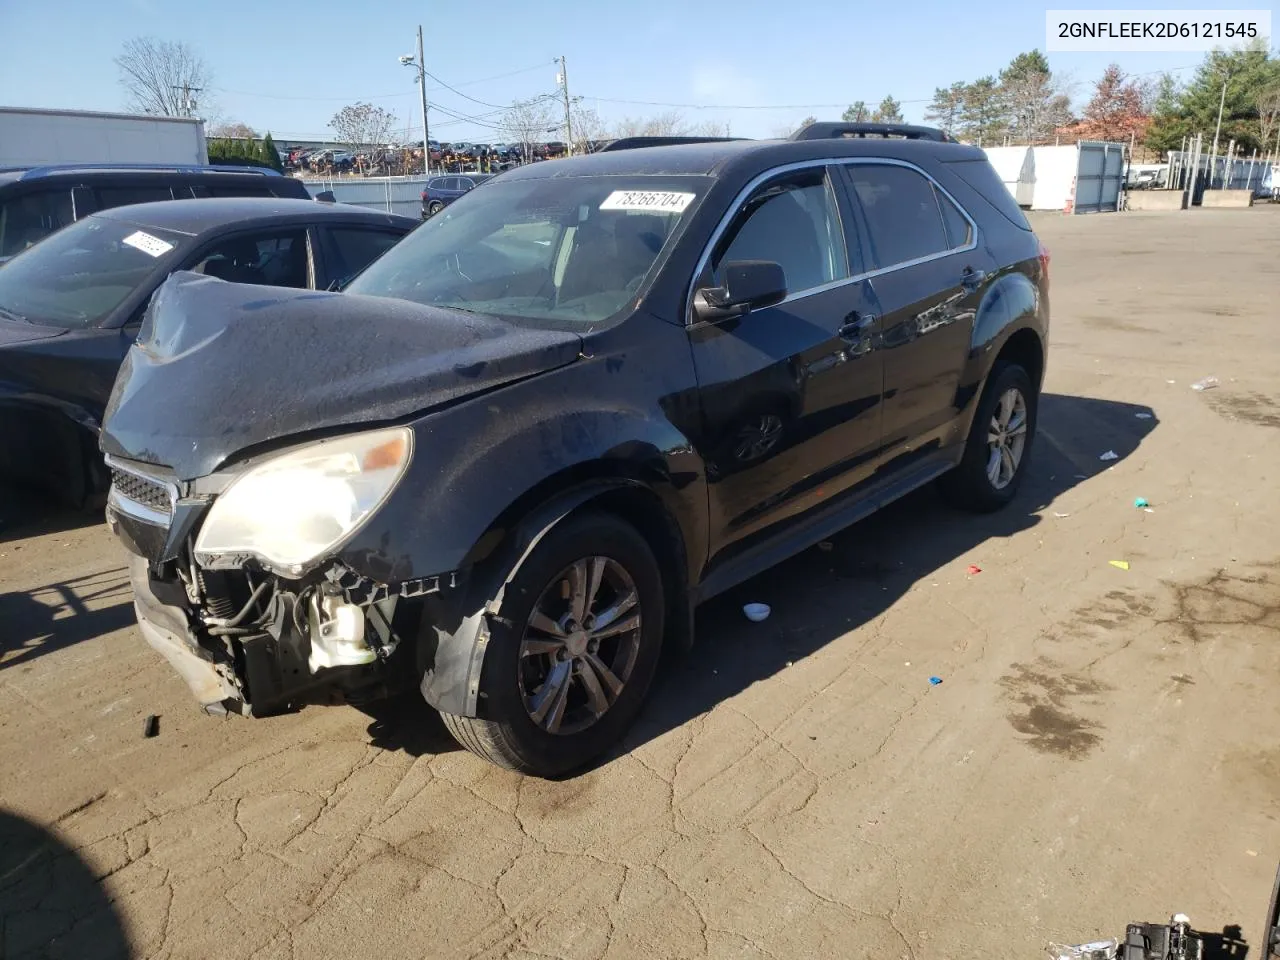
[[237, 584]]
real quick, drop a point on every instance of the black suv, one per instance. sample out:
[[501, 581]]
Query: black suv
[[507, 463], [36, 201]]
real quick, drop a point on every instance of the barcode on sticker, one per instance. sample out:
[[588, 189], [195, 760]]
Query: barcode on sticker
[[656, 201], [152, 246]]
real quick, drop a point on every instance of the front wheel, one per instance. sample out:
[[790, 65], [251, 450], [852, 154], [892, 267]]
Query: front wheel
[[572, 651], [999, 445]]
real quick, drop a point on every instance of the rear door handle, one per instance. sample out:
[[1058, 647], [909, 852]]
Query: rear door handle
[[855, 326], [972, 279]]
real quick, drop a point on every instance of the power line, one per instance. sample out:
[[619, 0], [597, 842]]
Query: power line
[[384, 96]]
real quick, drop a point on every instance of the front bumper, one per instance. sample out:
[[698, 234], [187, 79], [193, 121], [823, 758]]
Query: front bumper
[[166, 630]]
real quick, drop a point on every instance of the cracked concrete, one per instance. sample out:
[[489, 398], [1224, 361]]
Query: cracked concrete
[[794, 788]]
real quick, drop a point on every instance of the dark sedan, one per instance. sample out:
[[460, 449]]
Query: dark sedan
[[71, 306]]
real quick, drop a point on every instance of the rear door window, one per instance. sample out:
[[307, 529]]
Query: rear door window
[[124, 196], [901, 213], [959, 231], [26, 219], [277, 258]]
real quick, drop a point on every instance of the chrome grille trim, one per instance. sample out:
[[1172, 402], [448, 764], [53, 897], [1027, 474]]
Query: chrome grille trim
[[146, 497]]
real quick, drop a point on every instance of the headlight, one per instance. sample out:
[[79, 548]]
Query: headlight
[[292, 509]]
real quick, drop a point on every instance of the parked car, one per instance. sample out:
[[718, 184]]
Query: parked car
[[510, 460], [442, 191], [36, 201], [71, 306]]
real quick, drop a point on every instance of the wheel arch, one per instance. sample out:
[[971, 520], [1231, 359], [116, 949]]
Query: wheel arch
[[454, 637]]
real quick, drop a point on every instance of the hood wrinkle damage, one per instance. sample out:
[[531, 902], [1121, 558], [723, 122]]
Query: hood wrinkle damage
[[219, 367]]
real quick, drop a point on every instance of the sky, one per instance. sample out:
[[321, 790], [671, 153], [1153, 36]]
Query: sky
[[759, 65]]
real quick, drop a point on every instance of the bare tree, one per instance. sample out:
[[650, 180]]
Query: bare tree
[[234, 131], [164, 77], [669, 124], [713, 128], [588, 128], [526, 122], [1036, 104], [361, 126]]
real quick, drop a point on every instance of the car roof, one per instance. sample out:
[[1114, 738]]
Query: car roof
[[44, 171], [196, 216], [725, 157]]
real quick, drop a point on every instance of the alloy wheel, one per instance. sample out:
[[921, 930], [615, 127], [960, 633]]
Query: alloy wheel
[[1006, 438], [580, 645]]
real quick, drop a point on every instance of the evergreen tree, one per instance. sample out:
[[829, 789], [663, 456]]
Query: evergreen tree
[[889, 111]]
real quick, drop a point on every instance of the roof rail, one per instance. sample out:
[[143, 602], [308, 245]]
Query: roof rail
[[826, 131], [45, 170], [632, 143]]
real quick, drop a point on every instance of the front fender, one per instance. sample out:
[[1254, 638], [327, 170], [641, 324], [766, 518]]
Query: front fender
[[480, 465]]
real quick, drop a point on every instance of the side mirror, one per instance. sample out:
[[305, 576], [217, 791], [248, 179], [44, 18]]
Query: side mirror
[[325, 196], [746, 285]]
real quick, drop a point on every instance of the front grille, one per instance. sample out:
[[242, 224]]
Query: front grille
[[149, 493]]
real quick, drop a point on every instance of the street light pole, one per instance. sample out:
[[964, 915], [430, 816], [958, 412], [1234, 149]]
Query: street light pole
[[422, 87]]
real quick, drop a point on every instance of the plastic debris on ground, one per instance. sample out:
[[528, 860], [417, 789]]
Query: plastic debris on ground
[[1062, 516], [1110, 455], [756, 612], [1141, 502], [1098, 950], [1208, 383], [1119, 564], [151, 726], [974, 568], [934, 681]]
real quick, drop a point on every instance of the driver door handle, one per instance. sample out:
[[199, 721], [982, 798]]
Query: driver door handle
[[856, 326]]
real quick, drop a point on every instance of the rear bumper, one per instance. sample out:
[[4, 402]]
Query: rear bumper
[[165, 629]]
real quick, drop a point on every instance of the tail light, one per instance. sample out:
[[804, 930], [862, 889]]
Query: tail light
[[1044, 263]]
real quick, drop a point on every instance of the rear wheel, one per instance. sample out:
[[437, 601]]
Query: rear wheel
[[434, 207], [572, 651], [999, 444]]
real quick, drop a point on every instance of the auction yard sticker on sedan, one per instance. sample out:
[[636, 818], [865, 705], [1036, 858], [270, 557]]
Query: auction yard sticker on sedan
[[656, 201], [152, 246]]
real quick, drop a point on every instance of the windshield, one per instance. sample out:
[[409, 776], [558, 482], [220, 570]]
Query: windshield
[[572, 250], [77, 276]]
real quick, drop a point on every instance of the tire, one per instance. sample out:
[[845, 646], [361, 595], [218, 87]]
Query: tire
[[970, 484], [507, 733], [434, 207]]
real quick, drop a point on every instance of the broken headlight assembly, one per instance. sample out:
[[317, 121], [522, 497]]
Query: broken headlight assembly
[[289, 511]]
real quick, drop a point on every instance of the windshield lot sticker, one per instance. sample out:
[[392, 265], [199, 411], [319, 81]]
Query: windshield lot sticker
[[655, 201], [152, 246]]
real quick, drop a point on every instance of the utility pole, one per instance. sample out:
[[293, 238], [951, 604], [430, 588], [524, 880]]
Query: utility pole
[[188, 104], [1213, 152], [568, 120], [422, 87]]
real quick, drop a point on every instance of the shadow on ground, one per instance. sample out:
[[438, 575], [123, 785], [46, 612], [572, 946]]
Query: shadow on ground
[[819, 595], [49, 618], [27, 513], [51, 902], [1227, 945]]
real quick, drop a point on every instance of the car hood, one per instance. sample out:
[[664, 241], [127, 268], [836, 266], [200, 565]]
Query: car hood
[[219, 367], [18, 331]]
